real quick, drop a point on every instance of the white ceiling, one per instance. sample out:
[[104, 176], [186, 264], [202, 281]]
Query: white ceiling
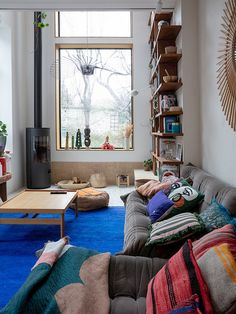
[[82, 4]]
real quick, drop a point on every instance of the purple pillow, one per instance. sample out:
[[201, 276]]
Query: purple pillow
[[158, 205]]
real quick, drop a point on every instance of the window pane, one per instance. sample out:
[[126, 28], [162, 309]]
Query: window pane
[[95, 24], [101, 100]]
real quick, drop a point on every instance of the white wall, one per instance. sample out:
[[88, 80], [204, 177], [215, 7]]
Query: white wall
[[218, 139], [14, 106], [6, 77], [142, 138], [185, 14]]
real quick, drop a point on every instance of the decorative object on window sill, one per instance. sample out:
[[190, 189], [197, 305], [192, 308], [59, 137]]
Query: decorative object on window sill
[[127, 136], [106, 145], [72, 142], [67, 141], [78, 142], [87, 140], [3, 137], [227, 64]]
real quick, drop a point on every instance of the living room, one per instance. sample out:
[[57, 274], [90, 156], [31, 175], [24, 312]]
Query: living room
[[207, 116]]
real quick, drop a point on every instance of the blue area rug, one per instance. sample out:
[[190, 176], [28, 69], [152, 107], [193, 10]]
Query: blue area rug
[[101, 230]]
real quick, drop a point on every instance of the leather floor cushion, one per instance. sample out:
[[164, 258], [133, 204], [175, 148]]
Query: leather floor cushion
[[89, 199]]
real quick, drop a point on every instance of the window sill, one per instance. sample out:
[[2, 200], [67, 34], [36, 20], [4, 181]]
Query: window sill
[[95, 150]]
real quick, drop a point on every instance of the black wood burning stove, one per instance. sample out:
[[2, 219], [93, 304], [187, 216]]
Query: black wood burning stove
[[38, 163]]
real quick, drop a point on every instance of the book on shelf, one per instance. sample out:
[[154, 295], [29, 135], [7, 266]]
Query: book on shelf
[[168, 170], [168, 123], [168, 148]]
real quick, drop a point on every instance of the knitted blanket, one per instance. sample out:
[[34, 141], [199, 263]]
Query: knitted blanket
[[65, 279]]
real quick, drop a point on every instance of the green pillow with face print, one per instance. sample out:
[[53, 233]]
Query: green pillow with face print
[[185, 198]]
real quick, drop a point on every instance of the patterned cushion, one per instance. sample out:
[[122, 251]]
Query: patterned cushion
[[177, 184], [174, 229], [158, 205], [185, 199], [178, 280], [218, 268], [227, 234], [216, 216]]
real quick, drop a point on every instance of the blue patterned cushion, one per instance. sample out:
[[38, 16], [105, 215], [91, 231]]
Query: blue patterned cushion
[[216, 216]]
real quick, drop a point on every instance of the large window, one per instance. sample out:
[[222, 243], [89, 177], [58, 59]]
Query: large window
[[94, 80], [95, 85]]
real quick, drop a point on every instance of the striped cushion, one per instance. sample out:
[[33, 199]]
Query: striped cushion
[[178, 280], [174, 229], [227, 234], [218, 268]]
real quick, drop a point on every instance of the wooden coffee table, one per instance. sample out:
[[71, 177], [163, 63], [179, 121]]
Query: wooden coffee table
[[38, 202]]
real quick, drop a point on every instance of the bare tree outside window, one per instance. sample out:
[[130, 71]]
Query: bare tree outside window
[[101, 100]]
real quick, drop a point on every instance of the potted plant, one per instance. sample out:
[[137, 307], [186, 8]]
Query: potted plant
[[147, 165], [3, 137]]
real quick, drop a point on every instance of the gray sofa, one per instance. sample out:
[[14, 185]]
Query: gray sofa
[[137, 220]]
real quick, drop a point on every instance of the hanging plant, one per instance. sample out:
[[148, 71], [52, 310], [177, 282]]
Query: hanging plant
[[41, 20]]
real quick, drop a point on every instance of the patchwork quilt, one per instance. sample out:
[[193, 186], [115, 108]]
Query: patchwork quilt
[[65, 279]]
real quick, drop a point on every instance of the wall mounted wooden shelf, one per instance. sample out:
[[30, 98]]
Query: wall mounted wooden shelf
[[168, 113], [171, 57], [168, 32], [155, 18], [167, 161], [162, 134]]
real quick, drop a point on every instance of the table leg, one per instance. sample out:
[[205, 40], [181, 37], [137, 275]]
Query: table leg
[[62, 226], [3, 191]]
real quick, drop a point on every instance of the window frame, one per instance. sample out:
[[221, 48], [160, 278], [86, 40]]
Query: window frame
[[59, 46], [57, 26]]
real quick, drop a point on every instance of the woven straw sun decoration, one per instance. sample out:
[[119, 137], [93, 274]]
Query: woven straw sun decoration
[[226, 73]]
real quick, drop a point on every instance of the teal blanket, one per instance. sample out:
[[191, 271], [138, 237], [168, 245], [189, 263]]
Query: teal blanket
[[65, 279]]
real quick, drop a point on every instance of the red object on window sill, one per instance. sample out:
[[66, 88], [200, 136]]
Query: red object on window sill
[[3, 163]]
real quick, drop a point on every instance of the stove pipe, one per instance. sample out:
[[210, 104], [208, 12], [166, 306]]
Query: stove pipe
[[37, 71]]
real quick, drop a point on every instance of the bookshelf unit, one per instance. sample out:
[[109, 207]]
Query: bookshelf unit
[[166, 113]]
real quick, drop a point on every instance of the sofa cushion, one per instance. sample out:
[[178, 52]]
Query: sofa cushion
[[218, 268], [158, 205], [227, 234], [128, 281], [174, 229], [176, 282], [216, 216], [150, 188]]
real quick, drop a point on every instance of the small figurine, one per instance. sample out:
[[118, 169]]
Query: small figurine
[[107, 145]]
